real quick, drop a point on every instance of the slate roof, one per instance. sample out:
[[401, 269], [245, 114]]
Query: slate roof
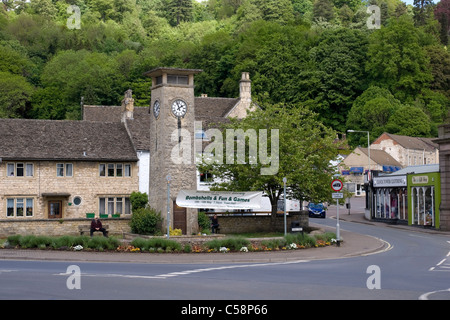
[[24, 139], [417, 143], [381, 157]]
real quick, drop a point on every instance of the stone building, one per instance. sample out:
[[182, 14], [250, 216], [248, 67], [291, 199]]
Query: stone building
[[53, 173], [444, 163], [408, 151]]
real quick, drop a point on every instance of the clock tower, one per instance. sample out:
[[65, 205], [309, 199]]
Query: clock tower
[[172, 119]]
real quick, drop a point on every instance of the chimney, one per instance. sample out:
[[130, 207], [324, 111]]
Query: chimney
[[245, 88], [127, 106]]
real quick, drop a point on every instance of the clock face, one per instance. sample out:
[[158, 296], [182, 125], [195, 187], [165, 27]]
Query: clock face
[[179, 108], [156, 108]]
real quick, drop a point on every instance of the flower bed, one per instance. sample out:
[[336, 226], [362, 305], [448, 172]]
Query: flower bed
[[161, 245]]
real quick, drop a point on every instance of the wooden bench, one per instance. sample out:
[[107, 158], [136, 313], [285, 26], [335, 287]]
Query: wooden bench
[[87, 228]]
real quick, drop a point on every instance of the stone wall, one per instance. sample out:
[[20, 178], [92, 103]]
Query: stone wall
[[116, 226], [260, 223]]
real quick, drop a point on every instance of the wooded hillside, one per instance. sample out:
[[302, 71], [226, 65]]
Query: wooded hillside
[[323, 54]]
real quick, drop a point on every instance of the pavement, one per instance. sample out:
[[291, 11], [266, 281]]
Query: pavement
[[353, 245]]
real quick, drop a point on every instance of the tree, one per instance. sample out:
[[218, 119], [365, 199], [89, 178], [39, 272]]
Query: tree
[[178, 11], [371, 111], [323, 9], [409, 121], [15, 95], [397, 61], [422, 9], [305, 148]]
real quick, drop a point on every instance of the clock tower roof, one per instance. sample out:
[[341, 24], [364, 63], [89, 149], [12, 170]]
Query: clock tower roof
[[160, 70]]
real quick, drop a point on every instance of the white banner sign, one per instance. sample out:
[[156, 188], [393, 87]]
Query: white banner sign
[[219, 199], [395, 181]]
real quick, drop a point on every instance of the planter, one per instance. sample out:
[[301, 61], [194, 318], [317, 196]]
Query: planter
[[90, 215], [116, 215], [103, 216]]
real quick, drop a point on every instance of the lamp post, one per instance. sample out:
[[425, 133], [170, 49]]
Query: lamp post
[[369, 202], [284, 183], [168, 177]]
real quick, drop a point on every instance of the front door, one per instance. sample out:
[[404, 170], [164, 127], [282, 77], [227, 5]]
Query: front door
[[55, 209], [179, 218]]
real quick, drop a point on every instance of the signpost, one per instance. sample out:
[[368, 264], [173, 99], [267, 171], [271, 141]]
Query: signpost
[[336, 186]]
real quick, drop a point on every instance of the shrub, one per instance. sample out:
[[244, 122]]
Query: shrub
[[156, 244], [138, 200], [203, 222], [145, 221], [234, 244], [14, 240]]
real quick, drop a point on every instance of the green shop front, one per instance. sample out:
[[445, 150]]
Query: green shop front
[[425, 198]]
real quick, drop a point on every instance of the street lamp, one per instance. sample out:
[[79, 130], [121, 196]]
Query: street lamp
[[168, 178], [369, 204]]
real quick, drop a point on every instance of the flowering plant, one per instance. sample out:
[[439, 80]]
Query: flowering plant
[[244, 249], [224, 249]]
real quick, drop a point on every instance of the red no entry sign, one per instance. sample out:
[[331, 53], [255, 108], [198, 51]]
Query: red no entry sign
[[337, 185]]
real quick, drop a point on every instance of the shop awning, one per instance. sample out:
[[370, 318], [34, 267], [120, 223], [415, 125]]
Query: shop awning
[[357, 169]]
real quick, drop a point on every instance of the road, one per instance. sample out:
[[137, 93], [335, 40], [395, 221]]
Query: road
[[417, 266]]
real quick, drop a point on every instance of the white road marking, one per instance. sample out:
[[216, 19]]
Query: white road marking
[[181, 273]]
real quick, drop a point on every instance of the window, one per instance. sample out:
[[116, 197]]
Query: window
[[64, 170], [158, 80], [29, 170], [112, 205], [19, 207], [128, 170], [177, 79], [10, 207], [29, 208], [19, 170], [102, 169], [77, 200], [119, 170], [114, 170], [111, 170], [102, 206], [119, 205], [69, 170]]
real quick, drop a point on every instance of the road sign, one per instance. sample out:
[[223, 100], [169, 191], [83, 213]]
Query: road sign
[[337, 185], [337, 195]]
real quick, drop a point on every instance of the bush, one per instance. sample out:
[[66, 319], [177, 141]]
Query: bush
[[145, 221], [156, 244], [14, 240], [204, 223], [138, 200], [234, 244]]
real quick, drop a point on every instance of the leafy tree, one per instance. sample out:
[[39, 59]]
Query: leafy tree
[[178, 11], [323, 9], [15, 95], [337, 75], [396, 59], [306, 147], [409, 121], [371, 112]]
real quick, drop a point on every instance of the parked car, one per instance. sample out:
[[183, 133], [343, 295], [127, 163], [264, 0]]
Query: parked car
[[316, 210]]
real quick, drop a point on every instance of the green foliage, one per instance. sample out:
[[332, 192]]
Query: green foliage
[[155, 244], [203, 222], [63, 242], [234, 244], [138, 200], [315, 53], [145, 221]]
